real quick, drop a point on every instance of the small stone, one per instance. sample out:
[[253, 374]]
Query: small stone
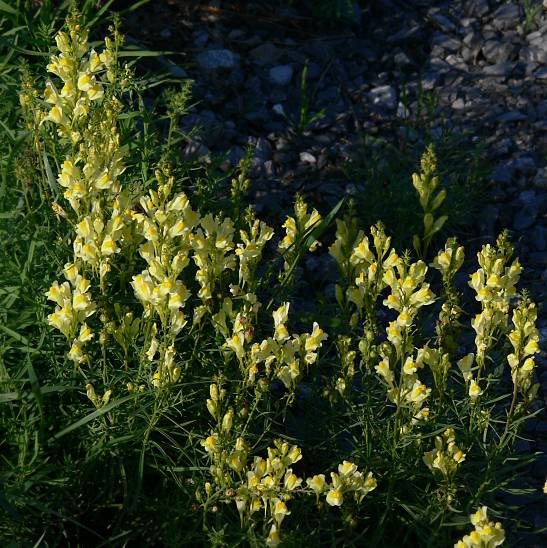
[[403, 111], [525, 217], [539, 238], [527, 197], [539, 257], [497, 52], [194, 150], [307, 158], [384, 96], [503, 173], [525, 164], [478, 7], [215, 59], [281, 75], [511, 116], [540, 180], [488, 220], [506, 16], [541, 74], [263, 149], [443, 22], [278, 109], [266, 53], [499, 69]]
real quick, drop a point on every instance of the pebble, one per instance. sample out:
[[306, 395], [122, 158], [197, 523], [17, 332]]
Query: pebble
[[506, 16], [215, 59], [525, 217], [499, 69], [384, 96], [281, 75]]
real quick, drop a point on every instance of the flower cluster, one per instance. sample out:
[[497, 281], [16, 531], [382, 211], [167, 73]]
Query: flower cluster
[[73, 306], [366, 268], [298, 231], [269, 485], [284, 357], [409, 391], [446, 457], [78, 68], [524, 340], [494, 284], [166, 225], [408, 294], [487, 534], [348, 480]]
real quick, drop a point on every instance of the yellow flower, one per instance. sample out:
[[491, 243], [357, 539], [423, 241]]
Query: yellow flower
[[280, 511], [317, 483], [335, 497], [474, 390]]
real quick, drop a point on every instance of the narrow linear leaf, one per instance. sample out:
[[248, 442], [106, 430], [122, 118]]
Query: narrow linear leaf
[[88, 418]]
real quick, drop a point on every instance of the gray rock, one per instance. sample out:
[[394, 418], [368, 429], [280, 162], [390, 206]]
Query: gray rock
[[541, 73], [236, 155], [539, 237], [540, 180], [477, 7], [194, 150], [443, 22], [403, 111], [499, 69], [497, 52], [527, 197], [533, 54], [215, 59], [526, 216], [511, 116], [266, 53], [307, 158], [281, 75], [263, 149], [539, 257], [278, 109], [525, 164], [503, 173], [488, 219], [384, 96], [506, 16]]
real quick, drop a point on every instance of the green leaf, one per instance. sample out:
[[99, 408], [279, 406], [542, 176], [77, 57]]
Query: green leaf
[[8, 9], [92, 416]]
